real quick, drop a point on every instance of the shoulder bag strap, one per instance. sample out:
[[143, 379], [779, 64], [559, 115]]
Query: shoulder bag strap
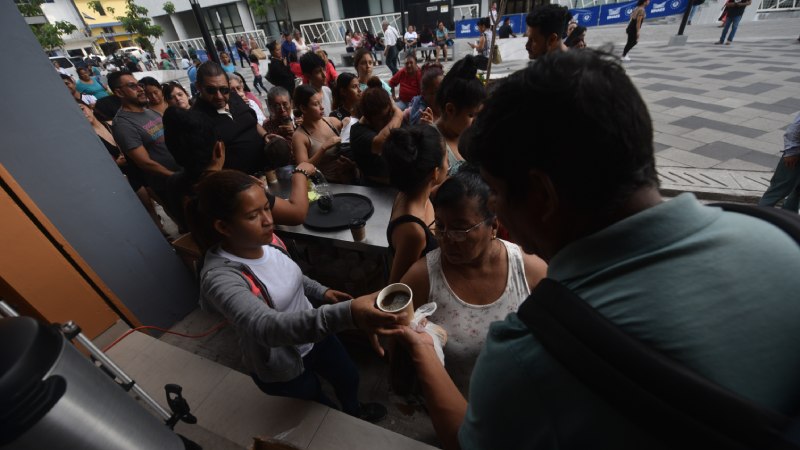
[[659, 394]]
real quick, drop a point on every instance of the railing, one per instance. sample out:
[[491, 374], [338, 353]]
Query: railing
[[199, 44], [466, 11], [778, 5], [332, 32]]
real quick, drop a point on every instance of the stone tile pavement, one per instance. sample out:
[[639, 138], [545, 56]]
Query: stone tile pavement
[[717, 110]]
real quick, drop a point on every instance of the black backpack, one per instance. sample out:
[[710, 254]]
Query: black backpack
[[662, 396]]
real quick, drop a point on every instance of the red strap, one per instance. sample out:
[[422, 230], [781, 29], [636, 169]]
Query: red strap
[[276, 241], [253, 286]]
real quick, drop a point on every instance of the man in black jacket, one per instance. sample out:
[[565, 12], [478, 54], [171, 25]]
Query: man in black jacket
[[232, 120]]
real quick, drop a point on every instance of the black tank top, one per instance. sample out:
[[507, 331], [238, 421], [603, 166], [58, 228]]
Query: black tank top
[[430, 240]]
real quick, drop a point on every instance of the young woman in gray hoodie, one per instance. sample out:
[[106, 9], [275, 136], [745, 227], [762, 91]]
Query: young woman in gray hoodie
[[249, 278]]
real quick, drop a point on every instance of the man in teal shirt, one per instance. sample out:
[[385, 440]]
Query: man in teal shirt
[[713, 290]]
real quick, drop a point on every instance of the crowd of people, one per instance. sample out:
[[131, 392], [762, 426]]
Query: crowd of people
[[490, 202]]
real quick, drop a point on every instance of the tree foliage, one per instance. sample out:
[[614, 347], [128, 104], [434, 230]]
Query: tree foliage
[[49, 35], [136, 21], [260, 7], [169, 7]]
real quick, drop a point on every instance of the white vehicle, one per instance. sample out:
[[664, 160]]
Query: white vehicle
[[135, 51], [66, 64]]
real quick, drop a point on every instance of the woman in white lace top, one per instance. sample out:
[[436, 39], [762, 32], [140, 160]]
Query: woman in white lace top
[[473, 277]]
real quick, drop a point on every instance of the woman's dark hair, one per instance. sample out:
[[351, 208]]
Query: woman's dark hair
[[375, 99], [292, 57], [595, 170], [430, 72], [303, 94], [271, 46], [575, 36], [459, 188], [342, 82], [412, 154], [150, 81], [360, 54], [217, 199], [241, 80], [484, 21], [170, 87], [640, 2], [253, 59], [106, 108], [209, 69], [460, 85]]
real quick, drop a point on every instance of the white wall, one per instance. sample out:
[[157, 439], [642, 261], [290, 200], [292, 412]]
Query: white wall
[[305, 10], [63, 10]]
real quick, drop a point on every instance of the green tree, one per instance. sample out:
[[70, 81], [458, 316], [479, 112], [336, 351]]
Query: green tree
[[49, 35], [260, 7], [135, 21], [169, 7]]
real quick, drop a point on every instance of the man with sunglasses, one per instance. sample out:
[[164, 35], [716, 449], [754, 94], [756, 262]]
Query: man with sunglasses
[[232, 120], [139, 133]]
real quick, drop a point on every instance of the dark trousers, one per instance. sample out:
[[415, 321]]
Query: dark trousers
[[329, 360], [631, 42], [258, 80], [391, 59], [242, 57], [785, 184]]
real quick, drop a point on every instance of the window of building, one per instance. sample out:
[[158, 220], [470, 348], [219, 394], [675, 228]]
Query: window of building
[[228, 14], [108, 30]]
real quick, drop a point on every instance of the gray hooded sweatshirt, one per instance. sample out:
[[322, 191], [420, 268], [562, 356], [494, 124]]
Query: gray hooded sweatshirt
[[267, 338]]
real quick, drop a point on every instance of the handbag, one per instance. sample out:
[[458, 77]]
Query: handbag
[[496, 57]]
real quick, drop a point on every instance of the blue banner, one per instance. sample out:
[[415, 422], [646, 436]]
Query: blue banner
[[467, 28], [616, 13], [586, 17], [664, 8]]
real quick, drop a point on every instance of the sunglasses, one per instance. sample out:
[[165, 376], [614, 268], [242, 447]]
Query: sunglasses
[[212, 90]]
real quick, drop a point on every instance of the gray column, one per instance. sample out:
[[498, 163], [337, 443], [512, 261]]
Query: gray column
[[333, 9], [244, 15], [180, 30]]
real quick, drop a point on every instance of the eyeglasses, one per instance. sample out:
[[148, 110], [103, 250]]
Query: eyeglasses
[[457, 235], [133, 86], [212, 90]]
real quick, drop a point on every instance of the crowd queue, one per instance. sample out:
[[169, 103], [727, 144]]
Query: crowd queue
[[492, 198]]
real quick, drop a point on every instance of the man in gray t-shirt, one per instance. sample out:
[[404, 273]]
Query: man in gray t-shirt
[[139, 133]]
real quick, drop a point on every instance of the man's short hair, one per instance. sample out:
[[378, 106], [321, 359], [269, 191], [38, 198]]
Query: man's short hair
[[209, 69], [66, 77], [114, 77], [311, 61], [590, 130], [549, 19]]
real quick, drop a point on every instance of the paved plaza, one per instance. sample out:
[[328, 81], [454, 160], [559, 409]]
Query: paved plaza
[[718, 112]]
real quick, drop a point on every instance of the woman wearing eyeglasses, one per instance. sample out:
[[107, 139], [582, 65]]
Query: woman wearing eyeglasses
[[417, 164], [474, 277]]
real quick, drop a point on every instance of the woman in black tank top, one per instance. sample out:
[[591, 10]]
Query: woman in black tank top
[[417, 164]]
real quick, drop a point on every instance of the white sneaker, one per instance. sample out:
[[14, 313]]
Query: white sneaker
[[626, 58]]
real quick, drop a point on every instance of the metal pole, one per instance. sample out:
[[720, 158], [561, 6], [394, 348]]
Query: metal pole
[[70, 328], [685, 18], [225, 37], [211, 49]]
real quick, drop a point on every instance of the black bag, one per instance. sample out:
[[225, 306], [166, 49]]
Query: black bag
[[482, 62], [664, 397]]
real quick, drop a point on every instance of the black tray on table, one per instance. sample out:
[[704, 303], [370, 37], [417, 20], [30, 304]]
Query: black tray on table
[[346, 208]]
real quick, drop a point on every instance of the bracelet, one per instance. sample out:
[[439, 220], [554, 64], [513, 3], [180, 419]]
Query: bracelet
[[299, 170]]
